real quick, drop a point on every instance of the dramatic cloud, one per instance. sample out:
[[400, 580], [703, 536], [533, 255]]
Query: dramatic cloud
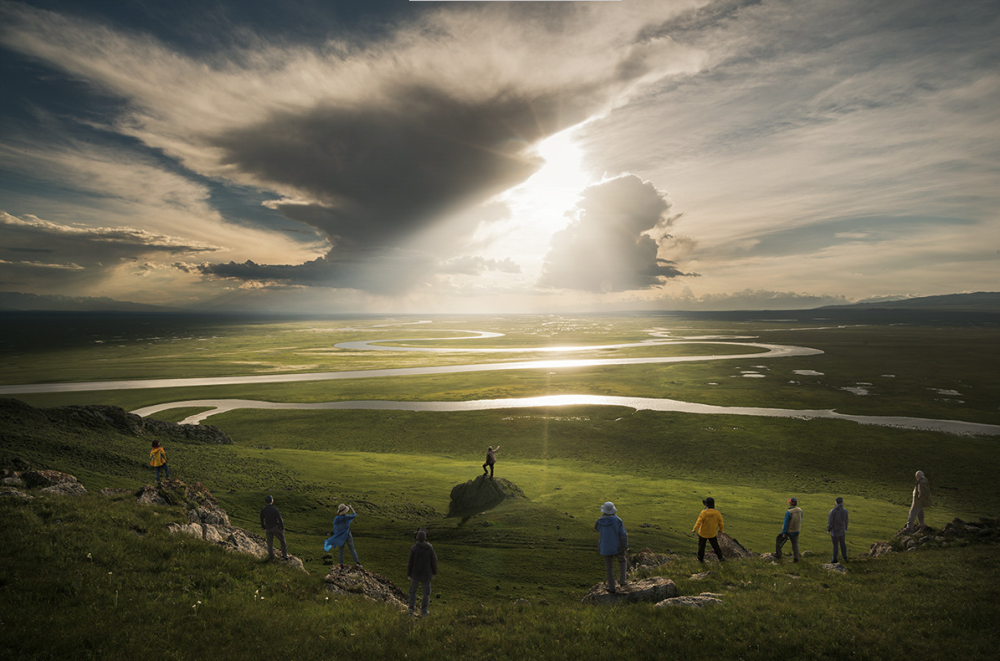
[[612, 243], [369, 143]]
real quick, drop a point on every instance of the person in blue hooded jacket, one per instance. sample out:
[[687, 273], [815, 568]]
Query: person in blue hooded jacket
[[342, 534], [613, 543]]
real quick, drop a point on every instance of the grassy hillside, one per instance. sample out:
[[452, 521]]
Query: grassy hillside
[[138, 592]]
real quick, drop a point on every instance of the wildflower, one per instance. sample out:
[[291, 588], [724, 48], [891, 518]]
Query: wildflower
[[89, 557]]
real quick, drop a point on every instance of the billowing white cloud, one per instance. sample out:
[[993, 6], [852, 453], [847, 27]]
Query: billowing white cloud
[[611, 244]]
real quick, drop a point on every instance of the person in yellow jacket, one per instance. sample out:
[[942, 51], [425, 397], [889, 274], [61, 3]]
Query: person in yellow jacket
[[158, 460], [708, 526]]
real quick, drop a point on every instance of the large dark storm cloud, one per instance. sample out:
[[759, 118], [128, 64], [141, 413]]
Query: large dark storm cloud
[[608, 247]]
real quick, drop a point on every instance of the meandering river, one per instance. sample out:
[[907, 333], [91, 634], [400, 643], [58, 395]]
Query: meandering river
[[216, 406]]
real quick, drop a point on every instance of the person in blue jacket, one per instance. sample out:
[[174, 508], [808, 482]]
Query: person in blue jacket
[[342, 534], [613, 543]]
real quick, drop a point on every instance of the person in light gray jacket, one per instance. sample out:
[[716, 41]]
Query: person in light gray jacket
[[836, 525]]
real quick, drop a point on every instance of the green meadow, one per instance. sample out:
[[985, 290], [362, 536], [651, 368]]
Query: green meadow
[[398, 468]]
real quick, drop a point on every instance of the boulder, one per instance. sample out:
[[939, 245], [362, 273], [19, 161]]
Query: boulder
[[354, 580], [14, 493], [879, 549], [46, 478], [731, 548], [66, 489], [481, 494], [700, 601], [651, 590], [647, 559]]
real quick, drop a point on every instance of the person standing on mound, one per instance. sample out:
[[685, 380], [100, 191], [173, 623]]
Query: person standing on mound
[[158, 460], [421, 568], [491, 459], [921, 499], [342, 534], [708, 526], [613, 543]]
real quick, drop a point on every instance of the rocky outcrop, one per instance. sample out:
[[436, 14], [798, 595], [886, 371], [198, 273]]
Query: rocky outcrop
[[355, 580], [957, 531], [208, 521], [699, 601], [481, 494], [15, 414], [46, 478], [651, 590]]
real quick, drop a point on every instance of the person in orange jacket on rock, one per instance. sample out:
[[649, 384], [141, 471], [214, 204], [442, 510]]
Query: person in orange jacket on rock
[[708, 526], [158, 459]]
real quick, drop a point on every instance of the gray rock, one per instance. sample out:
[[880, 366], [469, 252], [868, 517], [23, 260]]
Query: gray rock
[[352, 580], [879, 549], [148, 495], [66, 489], [46, 478], [835, 567], [651, 590], [14, 493], [12, 481], [700, 601], [647, 559], [731, 548]]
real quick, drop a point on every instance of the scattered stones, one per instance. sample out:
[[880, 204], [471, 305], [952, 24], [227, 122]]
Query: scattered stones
[[12, 481], [354, 580], [650, 590], [66, 489], [699, 577], [700, 601], [835, 567]]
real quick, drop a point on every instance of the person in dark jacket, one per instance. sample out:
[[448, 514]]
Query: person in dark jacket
[[421, 568], [613, 544], [274, 526], [836, 525], [491, 459]]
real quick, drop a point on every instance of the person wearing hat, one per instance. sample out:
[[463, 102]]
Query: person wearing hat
[[790, 529], [421, 568], [613, 543], [921, 499], [708, 526], [491, 459], [836, 525], [342, 534], [158, 460], [274, 526]]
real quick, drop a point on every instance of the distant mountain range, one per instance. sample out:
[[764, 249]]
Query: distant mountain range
[[988, 302], [981, 301], [15, 301]]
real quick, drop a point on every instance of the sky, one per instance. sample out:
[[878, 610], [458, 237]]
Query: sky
[[388, 156]]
